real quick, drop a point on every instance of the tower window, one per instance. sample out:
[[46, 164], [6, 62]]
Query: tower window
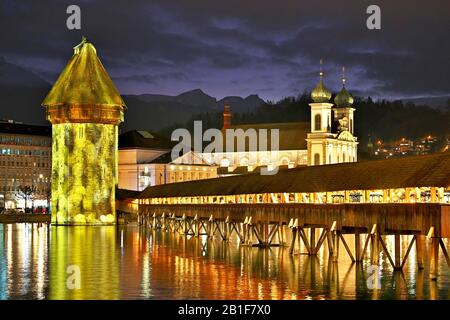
[[317, 122]]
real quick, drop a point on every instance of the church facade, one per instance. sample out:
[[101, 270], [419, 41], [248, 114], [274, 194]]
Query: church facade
[[327, 139], [331, 139]]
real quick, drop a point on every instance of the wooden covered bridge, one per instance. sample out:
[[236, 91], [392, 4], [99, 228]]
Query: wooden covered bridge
[[308, 207]]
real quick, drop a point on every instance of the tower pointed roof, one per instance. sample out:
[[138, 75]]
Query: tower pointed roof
[[84, 81]]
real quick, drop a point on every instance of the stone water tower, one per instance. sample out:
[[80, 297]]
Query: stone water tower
[[85, 110]]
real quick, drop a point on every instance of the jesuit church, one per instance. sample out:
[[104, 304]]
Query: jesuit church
[[327, 139]]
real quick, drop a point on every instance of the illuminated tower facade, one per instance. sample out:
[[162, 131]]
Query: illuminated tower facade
[[331, 139], [85, 109], [320, 138]]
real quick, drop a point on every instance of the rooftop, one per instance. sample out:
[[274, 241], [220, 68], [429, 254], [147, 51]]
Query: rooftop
[[292, 135], [26, 129], [143, 139]]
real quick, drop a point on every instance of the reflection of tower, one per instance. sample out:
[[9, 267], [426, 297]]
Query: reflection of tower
[[85, 110]]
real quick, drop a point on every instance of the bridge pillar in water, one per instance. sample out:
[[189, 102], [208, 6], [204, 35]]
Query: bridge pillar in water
[[434, 258]]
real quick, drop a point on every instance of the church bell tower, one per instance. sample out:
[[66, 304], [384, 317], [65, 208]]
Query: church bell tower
[[317, 141]]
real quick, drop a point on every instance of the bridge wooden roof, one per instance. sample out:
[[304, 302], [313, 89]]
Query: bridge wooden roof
[[125, 194], [419, 171]]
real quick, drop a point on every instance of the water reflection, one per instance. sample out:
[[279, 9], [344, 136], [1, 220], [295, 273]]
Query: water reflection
[[132, 262], [93, 250]]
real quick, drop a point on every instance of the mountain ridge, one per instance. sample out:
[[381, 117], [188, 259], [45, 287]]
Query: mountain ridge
[[197, 97]]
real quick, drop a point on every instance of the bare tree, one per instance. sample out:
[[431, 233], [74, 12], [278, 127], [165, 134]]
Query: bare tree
[[26, 193]]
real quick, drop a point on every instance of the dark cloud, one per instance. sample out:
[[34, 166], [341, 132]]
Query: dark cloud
[[271, 48]]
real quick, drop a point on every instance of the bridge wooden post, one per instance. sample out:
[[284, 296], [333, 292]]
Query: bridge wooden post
[[336, 236], [312, 240], [171, 223], [241, 230], [196, 226], [420, 247], [304, 238], [154, 221], [444, 251], [226, 229], [330, 242], [374, 246], [321, 240], [210, 229], [282, 234], [434, 258], [244, 231], [163, 221], [294, 236], [185, 224], [397, 246], [249, 232], [358, 255]]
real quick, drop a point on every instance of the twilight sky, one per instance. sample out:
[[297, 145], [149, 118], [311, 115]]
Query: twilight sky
[[240, 47]]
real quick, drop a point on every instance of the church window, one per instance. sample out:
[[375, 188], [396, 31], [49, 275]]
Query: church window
[[317, 122]]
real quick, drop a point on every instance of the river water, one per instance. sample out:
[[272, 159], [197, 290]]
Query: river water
[[39, 261]]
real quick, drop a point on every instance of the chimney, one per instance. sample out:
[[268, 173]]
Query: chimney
[[226, 117]]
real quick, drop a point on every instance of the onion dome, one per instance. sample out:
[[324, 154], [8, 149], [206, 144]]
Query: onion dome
[[320, 92], [343, 99]]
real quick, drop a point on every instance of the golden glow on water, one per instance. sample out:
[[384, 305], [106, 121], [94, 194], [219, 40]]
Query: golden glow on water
[[94, 251], [130, 262]]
